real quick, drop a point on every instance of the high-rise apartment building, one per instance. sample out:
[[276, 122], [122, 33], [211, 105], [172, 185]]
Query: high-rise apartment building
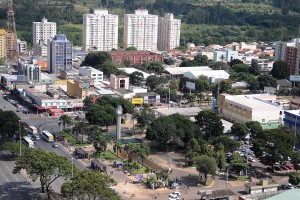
[[43, 30], [3, 43], [100, 31], [140, 30], [59, 54], [168, 32]]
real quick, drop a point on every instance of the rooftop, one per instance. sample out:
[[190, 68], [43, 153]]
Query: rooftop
[[182, 70], [251, 102], [130, 70], [287, 195], [190, 111]]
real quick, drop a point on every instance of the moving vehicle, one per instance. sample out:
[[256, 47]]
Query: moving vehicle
[[55, 144], [47, 136], [32, 130], [28, 142]]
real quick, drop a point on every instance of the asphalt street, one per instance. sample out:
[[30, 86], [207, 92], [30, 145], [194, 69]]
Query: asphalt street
[[14, 186]]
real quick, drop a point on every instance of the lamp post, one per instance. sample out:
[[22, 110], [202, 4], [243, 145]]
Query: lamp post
[[119, 113], [20, 137]]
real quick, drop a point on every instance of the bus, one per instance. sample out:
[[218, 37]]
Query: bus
[[28, 142], [32, 130], [47, 136]]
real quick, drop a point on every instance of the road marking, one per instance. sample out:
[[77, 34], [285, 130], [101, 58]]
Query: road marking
[[4, 175]]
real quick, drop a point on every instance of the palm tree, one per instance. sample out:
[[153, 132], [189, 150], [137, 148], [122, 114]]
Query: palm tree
[[128, 148], [140, 151], [100, 143], [118, 147], [65, 120]]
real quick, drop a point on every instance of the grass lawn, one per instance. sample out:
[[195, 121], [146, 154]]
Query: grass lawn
[[107, 155], [71, 138], [136, 168]]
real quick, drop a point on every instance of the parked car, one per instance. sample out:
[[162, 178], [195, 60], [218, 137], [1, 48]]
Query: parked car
[[290, 186], [176, 193], [277, 168], [55, 144], [290, 166], [269, 168], [251, 159], [282, 187]]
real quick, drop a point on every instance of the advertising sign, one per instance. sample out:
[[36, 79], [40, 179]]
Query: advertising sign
[[295, 78], [137, 101], [190, 85]]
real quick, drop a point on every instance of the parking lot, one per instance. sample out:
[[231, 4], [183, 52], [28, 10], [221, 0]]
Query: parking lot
[[17, 104]]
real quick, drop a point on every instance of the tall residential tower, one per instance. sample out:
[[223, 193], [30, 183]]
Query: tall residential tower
[[43, 30], [100, 31], [140, 30], [168, 32]]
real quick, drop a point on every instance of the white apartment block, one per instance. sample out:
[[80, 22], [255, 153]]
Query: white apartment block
[[22, 47], [43, 30], [100, 31], [92, 73], [140, 30], [168, 32]]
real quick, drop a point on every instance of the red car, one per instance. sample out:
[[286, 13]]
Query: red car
[[290, 166]]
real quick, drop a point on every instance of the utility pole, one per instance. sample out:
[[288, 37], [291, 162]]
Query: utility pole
[[20, 139]]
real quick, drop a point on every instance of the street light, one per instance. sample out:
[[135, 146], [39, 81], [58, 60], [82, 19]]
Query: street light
[[72, 166], [20, 137]]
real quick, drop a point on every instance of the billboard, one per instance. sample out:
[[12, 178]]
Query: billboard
[[190, 85], [137, 101], [295, 78]]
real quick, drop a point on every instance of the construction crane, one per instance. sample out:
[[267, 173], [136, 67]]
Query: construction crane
[[11, 36]]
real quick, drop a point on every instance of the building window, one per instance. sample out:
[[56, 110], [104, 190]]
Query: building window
[[122, 83]]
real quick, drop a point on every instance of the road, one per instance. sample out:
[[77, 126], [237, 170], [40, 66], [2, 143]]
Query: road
[[15, 186]]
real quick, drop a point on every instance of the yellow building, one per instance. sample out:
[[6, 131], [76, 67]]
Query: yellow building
[[3, 43], [250, 108], [79, 88]]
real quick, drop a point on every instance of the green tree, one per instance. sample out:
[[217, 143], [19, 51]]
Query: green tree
[[155, 67], [254, 127], [118, 147], [224, 86], [136, 78], [154, 81], [219, 66], [188, 63], [205, 165], [266, 81], [108, 67], [273, 145], [100, 143], [145, 117], [14, 148], [131, 48], [239, 129], [169, 61], [2, 61], [295, 160], [96, 58], [101, 115], [280, 70], [114, 102], [140, 151], [9, 125], [238, 163], [65, 120], [89, 184], [162, 130], [229, 144], [235, 61], [239, 68], [220, 159], [201, 60], [294, 178], [210, 124], [44, 166], [88, 101], [254, 68]]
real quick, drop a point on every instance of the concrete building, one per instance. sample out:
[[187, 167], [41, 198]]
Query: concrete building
[[261, 187], [3, 43], [212, 75], [140, 30], [59, 54], [230, 55], [40, 49], [100, 31], [91, 73], [178, 72], [280, 49], [250, 108], [30, 69], [43, 30], [168, 32], [79, 88], [119, 82], [209, 53], [219, 56], [22, 47], [292, 120], [135, 57]]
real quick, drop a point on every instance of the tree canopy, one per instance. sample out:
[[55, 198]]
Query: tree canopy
[[44, 166], [154, 81], [210, 124], [239, 129], [96, 58], [205, 165], [280, 70], [136, 78], [89, 184], [9, 125]]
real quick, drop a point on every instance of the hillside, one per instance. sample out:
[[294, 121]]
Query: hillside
[[204, 21]]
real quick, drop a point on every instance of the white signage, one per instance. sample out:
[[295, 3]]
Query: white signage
[[295, 78], [190, 85]]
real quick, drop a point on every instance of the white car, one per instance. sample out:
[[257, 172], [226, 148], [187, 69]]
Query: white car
[[176, 193], [251, 159]]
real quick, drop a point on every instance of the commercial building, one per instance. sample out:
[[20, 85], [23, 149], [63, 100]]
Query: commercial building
[[168, 32], [250, 108], [100, 31], [79, 88], [292, 120], [3, 43], [178, 72], [91, 73], [30, 69], [212, 75], [135, 57], [261, 187], [22, 47], [43, 30], [59, 54], [140, 30], [119, 82]]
